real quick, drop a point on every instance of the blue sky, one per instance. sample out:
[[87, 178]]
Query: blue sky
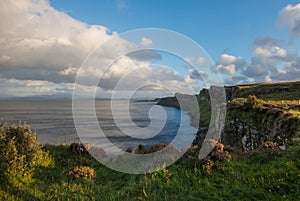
[[217, 26], [44, 44]]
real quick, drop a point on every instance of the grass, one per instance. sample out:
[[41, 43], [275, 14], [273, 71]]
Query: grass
[[270, 91], [257, 177]]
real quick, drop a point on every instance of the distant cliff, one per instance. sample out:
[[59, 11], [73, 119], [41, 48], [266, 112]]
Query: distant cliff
[[255, 114]]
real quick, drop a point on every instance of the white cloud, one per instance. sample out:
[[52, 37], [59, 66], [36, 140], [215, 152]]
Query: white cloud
[[229, 64], [146, 42], [270, 52], [229, 69], [41, 50], [200, 61], [195, 61], [130, 74], [68, 71], [189, 80], [270, 63], [290, 15], [226, 59], [36, 37], [4, 58], [268, 47], [20, 88]]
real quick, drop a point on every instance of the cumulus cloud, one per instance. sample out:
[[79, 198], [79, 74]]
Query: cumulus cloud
[[195, 61], [271, 60], [268, 47], [268, 57], [42, 42], [129, 74], [228, 64], [270, 63], [290, 16], [42, 49], [20, 88], [146, 42]]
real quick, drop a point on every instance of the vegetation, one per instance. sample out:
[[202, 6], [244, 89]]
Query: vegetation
[[85, 172], [20, 152], [258, 121], [246, 176], [266, 91], [255, 114]]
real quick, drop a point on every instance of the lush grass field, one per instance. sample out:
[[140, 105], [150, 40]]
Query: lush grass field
[[256, 177], [270, 91]]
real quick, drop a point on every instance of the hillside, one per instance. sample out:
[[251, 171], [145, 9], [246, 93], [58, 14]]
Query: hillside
[[257, 176], [268, 91], [255, 114]]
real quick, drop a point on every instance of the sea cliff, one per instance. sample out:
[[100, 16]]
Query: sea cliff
[[255, 114]]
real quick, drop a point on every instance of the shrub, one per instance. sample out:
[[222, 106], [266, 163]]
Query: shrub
[[141, 149], [236, 103], [254, 102], [275, 112], [191, 153], [128, 150], [270, 148], [78, 148], [84, 172], [157, 147], [216, 159], [154, 148], [20, 151]]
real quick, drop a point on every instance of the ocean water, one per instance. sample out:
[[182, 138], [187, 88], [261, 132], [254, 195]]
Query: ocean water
[[53, 122]]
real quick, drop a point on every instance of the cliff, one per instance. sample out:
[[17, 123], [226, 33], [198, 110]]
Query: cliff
[[255, 114]]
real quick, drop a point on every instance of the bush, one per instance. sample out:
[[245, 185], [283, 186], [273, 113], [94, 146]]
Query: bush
[[271, 149], [20, 151], [216, 159], [154, 148], [78, 148], [84, 172]]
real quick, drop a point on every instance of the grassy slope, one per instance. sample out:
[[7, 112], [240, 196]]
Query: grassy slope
[[281, 94], [257, 177], [276, 91]]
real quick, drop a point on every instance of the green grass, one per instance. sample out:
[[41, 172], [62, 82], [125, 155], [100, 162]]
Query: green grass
[[257, 177], [267, 91]]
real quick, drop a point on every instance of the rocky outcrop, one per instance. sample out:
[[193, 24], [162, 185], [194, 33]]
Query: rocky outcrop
[[229, 91], [78, 148], [250, 121]]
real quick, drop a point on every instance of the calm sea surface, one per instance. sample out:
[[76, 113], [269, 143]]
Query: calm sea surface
[[53, 121]]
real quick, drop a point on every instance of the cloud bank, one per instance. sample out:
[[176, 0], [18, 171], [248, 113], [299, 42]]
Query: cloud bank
[[39, 44], [270, 63]]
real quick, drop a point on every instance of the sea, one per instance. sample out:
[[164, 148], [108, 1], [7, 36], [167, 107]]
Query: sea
[[53, 122]]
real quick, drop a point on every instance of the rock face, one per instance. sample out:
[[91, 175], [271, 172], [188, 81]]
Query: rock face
[[251, 121], [229, 91], [251, 130]]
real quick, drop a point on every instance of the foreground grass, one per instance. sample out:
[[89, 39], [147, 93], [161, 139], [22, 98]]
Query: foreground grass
[[257, 177]]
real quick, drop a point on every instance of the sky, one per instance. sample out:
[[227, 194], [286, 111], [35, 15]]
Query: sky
[[44, 44]]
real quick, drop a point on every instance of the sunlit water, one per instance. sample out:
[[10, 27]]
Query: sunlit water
[[53, 121]]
